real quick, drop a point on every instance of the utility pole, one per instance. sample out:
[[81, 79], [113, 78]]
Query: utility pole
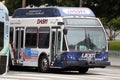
[[23, 3], [80, 3]]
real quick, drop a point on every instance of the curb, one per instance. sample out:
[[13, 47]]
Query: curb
[[115, 61], [116, 66]]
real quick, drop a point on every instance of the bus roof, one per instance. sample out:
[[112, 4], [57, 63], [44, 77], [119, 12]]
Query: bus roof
[[52, 12]]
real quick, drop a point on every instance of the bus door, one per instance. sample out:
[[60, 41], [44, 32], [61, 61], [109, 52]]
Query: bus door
[[19, 36], [56, 40]]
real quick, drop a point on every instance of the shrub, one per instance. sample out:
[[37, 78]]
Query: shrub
[[114, 45]]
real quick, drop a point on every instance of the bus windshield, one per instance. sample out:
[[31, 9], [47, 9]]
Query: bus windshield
[[82, 21], [81, 39], [1, 35]]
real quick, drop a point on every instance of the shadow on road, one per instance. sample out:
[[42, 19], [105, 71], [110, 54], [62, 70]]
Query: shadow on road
[[52, 71]]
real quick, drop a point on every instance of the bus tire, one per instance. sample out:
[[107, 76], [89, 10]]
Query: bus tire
[[83, 70], [43, 64]]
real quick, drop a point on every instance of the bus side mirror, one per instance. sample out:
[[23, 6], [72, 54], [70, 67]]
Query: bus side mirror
[[65, 31]]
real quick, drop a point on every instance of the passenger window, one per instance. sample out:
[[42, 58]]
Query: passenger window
[[44, 36], [31, 37], [11, 34]]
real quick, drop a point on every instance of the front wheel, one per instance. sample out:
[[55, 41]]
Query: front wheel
[[83, 70], [43, 64]]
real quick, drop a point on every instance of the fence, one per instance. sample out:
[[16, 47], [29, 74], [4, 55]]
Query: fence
[[114, 53]]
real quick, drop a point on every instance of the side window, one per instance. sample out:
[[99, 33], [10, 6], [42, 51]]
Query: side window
[[64, 44], [31, 37], [11, 34], [59, 41], [44, 35], [22, 38], [19, 36], [1, 35], [56, 41]]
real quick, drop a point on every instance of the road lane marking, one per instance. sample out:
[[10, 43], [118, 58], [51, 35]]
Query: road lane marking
[[1, 78], [50, 76], [82, 77], [26, 77]]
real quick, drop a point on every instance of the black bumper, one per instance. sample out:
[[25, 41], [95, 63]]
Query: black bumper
[[78, 64]]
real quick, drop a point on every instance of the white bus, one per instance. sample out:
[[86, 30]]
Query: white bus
[[4, 38], [68, 38]]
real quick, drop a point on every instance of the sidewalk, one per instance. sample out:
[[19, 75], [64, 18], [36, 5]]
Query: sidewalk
[[115, 61]]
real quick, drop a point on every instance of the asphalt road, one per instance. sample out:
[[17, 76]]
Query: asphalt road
[[115, 61], [109, 73]]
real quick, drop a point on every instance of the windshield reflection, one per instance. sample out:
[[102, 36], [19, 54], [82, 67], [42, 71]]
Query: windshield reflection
[[80, 39]]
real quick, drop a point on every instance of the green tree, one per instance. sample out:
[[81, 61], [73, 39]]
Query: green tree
[[104, 8], [12, 5], [108, 11], [114, 25]]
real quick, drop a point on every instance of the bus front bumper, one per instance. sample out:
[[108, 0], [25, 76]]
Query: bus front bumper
[[78, 64]]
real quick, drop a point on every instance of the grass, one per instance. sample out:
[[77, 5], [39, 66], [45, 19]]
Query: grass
[[114, 45]]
